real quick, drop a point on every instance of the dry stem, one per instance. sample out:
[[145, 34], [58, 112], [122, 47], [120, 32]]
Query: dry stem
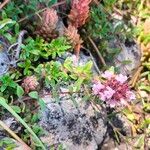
[[97, 51], [3, 4], [135, 76], [2, 124]]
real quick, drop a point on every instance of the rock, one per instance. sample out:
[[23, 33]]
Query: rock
[[129, 57], [76, 128], [11, 122], [4, 60], [80, 126], [4, 63], [9, 54]]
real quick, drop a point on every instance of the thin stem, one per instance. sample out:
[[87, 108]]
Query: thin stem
[[97, 51], [136, 76], [3, 4]]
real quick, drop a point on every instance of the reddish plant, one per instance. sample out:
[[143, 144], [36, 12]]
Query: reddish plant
[[30, 83], [48, 24], [79, 12], [74, 38]]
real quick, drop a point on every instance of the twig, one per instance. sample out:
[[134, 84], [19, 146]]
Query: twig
[[16, 137], [135, 76], [96, 2], [19, 43], [97, 51], [57, 4], [3, 4], [11, 46]]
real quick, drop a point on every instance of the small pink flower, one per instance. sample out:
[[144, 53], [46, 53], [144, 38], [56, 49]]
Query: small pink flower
[[102, 96], [121, 78], [130, 95], [109, 92], [112, 103], [108, 74], [123, 102], [97, 87]]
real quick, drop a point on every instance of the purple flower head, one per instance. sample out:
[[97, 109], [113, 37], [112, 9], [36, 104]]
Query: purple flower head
[[108, 74], [121, 78], [130, 95], [97, 87], [114, 89], [108, 92], [112, 103], [102, 96]]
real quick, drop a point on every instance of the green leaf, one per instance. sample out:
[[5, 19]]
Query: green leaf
[[112, 69], [4, 22], [35, 52], [147, 107], [78, 83], [149, 77], [34, 94], [86, 98], [88, 66], [3, 88], [146, 88], [126, 62], [34, 118], [140, 142], [130, 117], [37, 129], [16, 109], [73, 76], [5, 142], [17, 28], [145, 123], [42, 104], [20, 91]]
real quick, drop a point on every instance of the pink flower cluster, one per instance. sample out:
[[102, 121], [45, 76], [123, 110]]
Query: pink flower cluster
[[114, 89]]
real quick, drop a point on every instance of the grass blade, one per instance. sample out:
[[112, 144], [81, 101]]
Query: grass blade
[[6, 106]]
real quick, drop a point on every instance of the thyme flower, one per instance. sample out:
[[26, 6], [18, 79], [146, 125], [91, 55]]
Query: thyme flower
[[114, 89]]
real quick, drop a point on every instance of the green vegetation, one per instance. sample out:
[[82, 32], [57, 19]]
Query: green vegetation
[[41, 59]]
